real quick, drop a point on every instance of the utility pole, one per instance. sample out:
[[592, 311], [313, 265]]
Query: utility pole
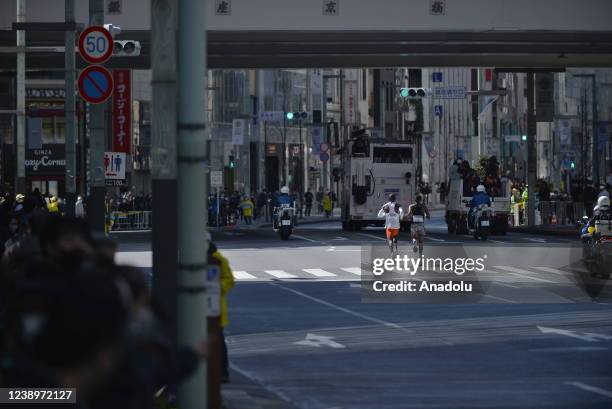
[[594, 126], [193, 176], [531, 149], [21, 114], [97, 135], [163, 152], [70, 112]]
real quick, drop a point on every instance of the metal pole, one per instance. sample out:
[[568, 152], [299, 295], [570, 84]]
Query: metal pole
[[21, 114], [70, 113], [326, 136], [163, 152], [97, 132], [265, 157], [531, 149], [595, 152], [192, 183]]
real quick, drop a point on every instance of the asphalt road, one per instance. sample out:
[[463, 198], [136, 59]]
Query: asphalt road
[[539, 335]]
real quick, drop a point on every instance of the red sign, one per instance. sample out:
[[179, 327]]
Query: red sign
[[95, 44], [95, 84], [122, 111]]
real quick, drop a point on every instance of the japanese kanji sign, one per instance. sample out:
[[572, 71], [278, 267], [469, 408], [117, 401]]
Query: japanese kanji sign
[[122, 111], [331, 8]]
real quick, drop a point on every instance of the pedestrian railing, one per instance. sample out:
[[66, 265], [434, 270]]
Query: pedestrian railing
[[131, 220], [552, 212]]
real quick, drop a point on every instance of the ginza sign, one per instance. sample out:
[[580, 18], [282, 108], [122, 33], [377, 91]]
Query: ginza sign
[[51, 159]]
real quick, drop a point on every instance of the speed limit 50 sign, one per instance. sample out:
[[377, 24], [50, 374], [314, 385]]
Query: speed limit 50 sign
[[95, 44]]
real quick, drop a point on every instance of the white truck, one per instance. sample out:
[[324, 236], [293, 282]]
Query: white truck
[[372, 170], [458, 206]]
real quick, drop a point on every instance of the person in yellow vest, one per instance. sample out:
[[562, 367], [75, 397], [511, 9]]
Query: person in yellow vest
[[227, 283], [247, 207], [53, 205], [327, 204]]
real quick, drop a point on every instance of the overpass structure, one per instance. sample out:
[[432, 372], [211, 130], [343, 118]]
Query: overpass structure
[[512, 34]]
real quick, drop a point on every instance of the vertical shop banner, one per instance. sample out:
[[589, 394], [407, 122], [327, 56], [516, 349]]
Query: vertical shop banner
[[351, 90], [122, 111]]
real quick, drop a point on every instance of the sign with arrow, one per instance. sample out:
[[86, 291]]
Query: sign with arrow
[[588, 337], [317, 341]]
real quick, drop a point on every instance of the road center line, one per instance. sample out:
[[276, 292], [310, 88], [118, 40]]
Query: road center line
[[345, 310], [590, 388], [307, 239]]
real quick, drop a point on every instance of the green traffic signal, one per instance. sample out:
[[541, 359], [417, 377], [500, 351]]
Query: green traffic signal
[[572, 165], [289, 115], [404, 92], [524, 137]]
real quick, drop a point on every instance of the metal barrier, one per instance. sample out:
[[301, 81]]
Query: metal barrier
[[131, 220], [552, 212]]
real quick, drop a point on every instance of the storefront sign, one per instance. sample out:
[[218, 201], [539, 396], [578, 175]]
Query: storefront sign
[[48, 161], [122, 111]]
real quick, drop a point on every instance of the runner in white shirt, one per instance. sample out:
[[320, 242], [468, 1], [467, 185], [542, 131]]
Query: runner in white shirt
[[393, 213]]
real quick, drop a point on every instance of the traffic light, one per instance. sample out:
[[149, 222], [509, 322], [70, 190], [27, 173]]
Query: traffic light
[[232, 162], [523, 138], [126, 48], [573, 165], [413, 93], [112, 29], [296, 115]]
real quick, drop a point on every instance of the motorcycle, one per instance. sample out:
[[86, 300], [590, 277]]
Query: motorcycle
[[481, 222], [284, 221], [597, 250]]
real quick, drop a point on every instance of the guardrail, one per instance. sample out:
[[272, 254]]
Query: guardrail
[[130, 220], [551, 212]]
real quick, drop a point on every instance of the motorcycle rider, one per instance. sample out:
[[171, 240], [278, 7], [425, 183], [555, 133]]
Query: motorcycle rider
[[480, 197], [416, 214], [282, 200], [393, 213], [600, 211]]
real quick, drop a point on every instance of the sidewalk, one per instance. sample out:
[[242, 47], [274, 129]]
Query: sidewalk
[[244, 393], [549, 230]]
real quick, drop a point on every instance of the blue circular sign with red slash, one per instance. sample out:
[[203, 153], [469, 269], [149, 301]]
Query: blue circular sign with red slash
[[95, 84]]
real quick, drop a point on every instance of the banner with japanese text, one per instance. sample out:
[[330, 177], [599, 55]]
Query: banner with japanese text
[[122, 111]]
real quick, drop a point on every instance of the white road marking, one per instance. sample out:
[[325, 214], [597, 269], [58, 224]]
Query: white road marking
[[506, 284], [372, 236], [306, 238], [433, 238], [589, 388], [337, 238], [314, 340], [352, 270], [552, 270], [522, 273], [588, 337], [279, 274], [317, 272], [533, 239], [568, 349], [243, 275], [497, 241], [500, 298], [345, 310]]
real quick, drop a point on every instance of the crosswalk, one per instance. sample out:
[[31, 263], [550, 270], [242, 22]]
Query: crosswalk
[[501, 274]]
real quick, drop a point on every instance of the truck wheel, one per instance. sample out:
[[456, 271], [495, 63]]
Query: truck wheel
[[355, 226], [345, 226]]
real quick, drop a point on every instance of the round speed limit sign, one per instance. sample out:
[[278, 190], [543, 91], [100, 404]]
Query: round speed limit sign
[[95, 44]]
